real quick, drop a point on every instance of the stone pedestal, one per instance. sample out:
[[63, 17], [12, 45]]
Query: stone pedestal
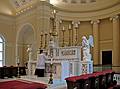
[[86, 67]]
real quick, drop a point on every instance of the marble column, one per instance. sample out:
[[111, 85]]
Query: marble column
[[116, 44], [96, 41]]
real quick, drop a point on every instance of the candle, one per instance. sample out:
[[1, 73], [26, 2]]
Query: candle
[[60, 21], [63, 28], [51, 60], [41, 33], [54, 11], [18, 61], [69, 26], [50, 31]]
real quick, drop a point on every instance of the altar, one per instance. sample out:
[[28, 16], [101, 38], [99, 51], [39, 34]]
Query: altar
[[66, 62]]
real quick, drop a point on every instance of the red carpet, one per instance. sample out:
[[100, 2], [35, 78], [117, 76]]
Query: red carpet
[[19, 84]]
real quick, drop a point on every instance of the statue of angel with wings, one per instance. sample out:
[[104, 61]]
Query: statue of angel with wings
[[86, 44]]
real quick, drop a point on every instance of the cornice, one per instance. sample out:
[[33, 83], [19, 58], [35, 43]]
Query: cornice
[[90, 15], [81, 8], [34, 12], [106, 41], [6, 19], [10, 16]]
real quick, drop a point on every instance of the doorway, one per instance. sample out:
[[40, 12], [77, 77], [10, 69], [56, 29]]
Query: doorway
[[106, 57]]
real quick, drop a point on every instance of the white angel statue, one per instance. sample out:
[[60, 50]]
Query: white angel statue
[[86, 47]]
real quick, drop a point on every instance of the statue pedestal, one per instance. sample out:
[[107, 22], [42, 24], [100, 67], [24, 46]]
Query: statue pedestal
[[86, 67]]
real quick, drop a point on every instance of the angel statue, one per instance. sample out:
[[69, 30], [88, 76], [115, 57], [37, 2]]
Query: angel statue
[[86, 47]]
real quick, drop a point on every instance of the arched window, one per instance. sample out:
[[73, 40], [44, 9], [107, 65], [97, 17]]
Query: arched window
[[2, 49]]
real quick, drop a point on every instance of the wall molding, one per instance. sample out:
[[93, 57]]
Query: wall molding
[[106, 41]]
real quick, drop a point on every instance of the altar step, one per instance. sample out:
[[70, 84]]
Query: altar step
[[57, 83]]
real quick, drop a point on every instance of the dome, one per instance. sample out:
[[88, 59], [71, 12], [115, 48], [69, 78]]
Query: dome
[[10, 7], [84, 5]]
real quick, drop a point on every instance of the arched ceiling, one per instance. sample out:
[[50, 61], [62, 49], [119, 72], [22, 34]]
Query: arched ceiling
[[6, 7], [10, 7], [84, 5]]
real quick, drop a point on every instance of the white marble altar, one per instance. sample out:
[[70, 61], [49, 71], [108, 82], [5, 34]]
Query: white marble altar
[[67, 62]]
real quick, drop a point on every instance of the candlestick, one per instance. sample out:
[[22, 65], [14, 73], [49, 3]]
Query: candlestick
[[63, 31], [69, 29], [76, 36], [51, 69], [18, 70], [41, 39], [45, 40], [54, 11]]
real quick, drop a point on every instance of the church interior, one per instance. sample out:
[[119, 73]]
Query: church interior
[[59, 27]]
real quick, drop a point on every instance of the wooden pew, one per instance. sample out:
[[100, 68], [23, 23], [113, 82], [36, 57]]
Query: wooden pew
[[11, 71], [97, 80]]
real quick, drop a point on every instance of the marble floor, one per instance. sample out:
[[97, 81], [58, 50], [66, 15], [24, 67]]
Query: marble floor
[[57, 83]]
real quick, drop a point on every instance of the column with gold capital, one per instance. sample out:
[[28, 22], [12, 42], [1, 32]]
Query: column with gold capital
[[95, 27], [116, 44]]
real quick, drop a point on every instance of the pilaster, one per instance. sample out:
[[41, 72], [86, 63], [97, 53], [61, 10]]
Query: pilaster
[[116, 42], [95, 25], [43, 21]]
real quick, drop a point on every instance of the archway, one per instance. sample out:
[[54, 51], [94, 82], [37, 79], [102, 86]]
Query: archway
[[25, 37]]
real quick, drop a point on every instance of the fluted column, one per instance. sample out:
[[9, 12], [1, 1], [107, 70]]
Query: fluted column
[[96, 41], [116, 44]]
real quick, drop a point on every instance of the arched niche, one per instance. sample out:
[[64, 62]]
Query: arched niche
[[25, 37]]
